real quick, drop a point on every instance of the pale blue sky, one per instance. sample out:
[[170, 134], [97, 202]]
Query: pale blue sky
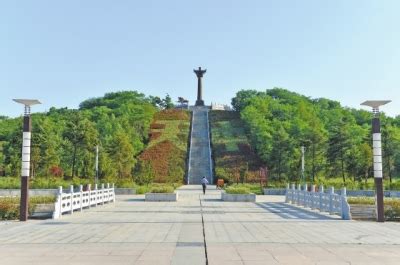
[[63, 52]]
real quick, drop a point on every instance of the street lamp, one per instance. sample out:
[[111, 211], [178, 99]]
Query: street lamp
[[377, 152], [26, 156], [303, 150]]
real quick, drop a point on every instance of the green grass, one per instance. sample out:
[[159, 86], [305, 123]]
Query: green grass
[[337, 183], [231, 149], [42, 183], [171, 132], [237, 190], [253, 188], [142, 189], [163, 189], [229, 134]]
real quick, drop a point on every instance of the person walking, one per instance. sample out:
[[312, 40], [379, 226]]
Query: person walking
[[204, 183]]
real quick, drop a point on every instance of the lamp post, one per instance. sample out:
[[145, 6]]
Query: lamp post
[[26, 156], [303, 150], [97, 164], [377, 153]]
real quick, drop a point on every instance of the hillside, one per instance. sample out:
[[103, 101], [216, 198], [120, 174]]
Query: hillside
[[64, 140], [167, 150], [337, 139], [234, 159]]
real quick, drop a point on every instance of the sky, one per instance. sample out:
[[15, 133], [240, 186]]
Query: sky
[[63, 52]]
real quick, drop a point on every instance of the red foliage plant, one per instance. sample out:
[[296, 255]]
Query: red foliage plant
[[56, 171], [172, 114], [159, 156], [157, 126], [154, 135]]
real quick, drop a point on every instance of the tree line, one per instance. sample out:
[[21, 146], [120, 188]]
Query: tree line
[[337, 139], [64, 140]]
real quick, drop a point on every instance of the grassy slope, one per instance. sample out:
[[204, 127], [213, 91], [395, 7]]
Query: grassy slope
[[168, 144], [231, 148]]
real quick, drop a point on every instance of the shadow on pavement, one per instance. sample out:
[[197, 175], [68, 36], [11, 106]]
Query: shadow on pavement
[[287, 211]]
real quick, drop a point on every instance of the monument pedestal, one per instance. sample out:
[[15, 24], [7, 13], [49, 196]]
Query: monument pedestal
[[199, 102]]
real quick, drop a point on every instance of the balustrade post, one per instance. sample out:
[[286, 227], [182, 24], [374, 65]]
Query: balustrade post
[[71, 191], [95, 194], [331, 193], [108, 192], [89, 187], [287, 193], [102, 193], [344, 206], [343, 192], [321, 194], [80, 196], [113, 192], [298, 193], [59, 200], [312, 196], [305, 196], [293, 198]]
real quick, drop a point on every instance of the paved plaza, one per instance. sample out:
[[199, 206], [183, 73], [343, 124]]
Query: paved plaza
[[196, 229]]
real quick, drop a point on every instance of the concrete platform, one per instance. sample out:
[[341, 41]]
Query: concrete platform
[[132, 231], [161, 197], [238, 197]]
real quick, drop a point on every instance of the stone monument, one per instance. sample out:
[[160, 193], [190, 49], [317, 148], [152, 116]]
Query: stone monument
[[199, 73]]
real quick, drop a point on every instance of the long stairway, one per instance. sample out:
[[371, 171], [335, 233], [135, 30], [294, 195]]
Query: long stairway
[[200, 152]]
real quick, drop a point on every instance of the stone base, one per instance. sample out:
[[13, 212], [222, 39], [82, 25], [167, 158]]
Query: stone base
[[161, 197], [200, 102], [124, 191], [43, 211], [238, 197], [274, 191]]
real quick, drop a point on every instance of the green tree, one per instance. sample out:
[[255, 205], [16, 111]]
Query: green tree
[[145, 173], [121, 152], [167, 102]]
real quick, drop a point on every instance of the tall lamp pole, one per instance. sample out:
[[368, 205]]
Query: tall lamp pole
[[377, 153], [303, 150], [26, 156], [97, 164]]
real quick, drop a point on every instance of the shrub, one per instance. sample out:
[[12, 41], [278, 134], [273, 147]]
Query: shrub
[[162, 189], [10, 183], [9, 206], [56, 171], [124, 183], [392, 209], [237, 190], [154, 135], [172, 114], [9, 209], [361, 200], [157, 126], [145, 174], [392, 205]]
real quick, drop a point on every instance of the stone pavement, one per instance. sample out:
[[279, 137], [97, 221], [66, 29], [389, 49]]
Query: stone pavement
[[132, 231], [199, 159]]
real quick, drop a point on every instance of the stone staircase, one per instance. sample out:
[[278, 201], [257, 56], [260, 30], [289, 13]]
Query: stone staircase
[[200, 152]]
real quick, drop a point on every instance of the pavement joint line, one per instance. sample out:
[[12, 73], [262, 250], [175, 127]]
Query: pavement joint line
[[204, 231]]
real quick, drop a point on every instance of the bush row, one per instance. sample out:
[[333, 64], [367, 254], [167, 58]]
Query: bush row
[[9, 206]]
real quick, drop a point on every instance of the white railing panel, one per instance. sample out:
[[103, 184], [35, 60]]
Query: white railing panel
[[68, 202], [325, 202]]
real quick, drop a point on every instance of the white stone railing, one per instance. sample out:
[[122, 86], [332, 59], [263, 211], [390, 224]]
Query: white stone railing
[[324, 202], [72, 201]]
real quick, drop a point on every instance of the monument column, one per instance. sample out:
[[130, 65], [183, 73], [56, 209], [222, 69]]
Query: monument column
[[199, 73]]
